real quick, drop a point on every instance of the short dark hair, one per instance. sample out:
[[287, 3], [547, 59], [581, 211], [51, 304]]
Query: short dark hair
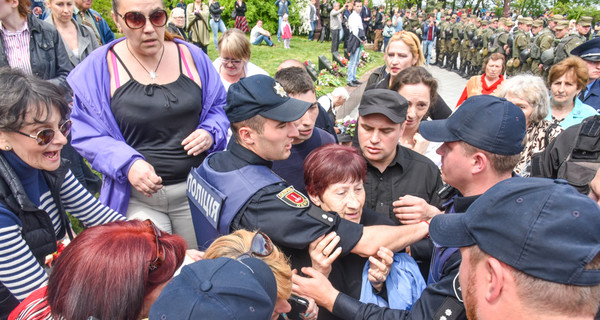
[[500, 163], [416, 75], [21, 94], [332, 163], [295, 80], [256, 123]]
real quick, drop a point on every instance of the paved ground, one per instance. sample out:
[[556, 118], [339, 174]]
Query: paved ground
[[450, 87]]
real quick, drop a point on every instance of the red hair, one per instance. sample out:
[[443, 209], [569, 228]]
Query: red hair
[[105, 271], [331, 164]]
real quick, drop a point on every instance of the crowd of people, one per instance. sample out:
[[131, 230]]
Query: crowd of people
[[228, 193]]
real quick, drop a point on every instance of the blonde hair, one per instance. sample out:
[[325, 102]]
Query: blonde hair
[[413, 43], [239, 242], [234, 44]]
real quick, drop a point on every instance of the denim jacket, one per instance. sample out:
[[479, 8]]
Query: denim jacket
[[48, 56]]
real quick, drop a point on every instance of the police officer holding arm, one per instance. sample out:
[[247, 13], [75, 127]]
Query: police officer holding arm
[[236, 189]]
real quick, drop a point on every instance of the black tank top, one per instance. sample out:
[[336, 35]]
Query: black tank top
[[154, 119]]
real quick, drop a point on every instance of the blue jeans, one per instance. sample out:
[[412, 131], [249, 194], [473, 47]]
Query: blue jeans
[[279, 28], [216, 27], [313, 25], [353, 65], [260, 39], [427, 49]]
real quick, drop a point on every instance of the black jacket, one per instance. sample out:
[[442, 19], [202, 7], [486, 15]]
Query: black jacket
[[38, 230], [47, 53], [215, 11]]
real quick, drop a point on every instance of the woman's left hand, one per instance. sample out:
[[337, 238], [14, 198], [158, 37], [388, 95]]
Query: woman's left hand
[[379, 268], [197, 142], [421, 144], [312, 312]]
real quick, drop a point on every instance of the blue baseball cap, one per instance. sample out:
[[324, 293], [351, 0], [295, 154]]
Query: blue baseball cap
[[589, 50], [489, 123], [221, 288], [261, 94], [542, 227]]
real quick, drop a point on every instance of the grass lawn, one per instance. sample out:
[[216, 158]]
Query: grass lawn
[[301, 49]]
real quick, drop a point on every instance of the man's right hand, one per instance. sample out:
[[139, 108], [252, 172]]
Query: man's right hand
[[410, 209]]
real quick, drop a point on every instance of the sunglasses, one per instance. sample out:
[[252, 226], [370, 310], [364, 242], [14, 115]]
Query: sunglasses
[[45, 136], [261, 246], [160, 257], [136, 20], [232, 61]]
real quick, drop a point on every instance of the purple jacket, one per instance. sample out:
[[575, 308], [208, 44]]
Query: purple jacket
[[96, 134]]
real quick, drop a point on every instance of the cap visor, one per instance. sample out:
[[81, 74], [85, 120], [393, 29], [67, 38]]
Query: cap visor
[[291, 110], [381, 110], [448, 230], [436, 131]]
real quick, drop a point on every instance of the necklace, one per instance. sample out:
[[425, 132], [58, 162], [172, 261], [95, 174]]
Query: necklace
[[151, 73]]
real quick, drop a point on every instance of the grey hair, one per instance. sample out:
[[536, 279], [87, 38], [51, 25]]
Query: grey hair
[[531, 89], [340, 92]]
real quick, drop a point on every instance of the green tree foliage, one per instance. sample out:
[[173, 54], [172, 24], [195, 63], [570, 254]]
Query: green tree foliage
[[104, 7]]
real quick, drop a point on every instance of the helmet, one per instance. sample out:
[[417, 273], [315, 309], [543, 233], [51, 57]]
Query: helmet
[[547, 57], [525, 53]]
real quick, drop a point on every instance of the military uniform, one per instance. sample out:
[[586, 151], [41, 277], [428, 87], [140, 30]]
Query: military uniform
[[520, 43], [466, 54], [457, 32], [566, 44], [500, 39], [444, 39], [540, 43]]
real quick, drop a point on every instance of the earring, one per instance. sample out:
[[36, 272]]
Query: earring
[[7, 148]]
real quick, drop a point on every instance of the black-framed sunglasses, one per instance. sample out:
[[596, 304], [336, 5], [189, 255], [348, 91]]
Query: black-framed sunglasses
[[261, 246], [160, 256], [136, 20], [45, 136]]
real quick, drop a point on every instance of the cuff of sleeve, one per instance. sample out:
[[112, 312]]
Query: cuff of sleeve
[[350, 233], [125, 173], [346, 307]]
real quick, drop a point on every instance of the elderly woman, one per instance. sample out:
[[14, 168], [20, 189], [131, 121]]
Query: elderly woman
[[113, 271], [176, 23], [566, 79], [28, 44], [36, 187], [258, 244], [334, 177], [233, 62], [488, 83], [404, 51], [419, 88], [147, 109], [530, 94]]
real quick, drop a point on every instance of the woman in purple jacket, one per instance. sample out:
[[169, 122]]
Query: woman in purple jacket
[[147, 109]]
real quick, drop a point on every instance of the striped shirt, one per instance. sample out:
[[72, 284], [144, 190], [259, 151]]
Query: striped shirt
[[19, 270], [16, 47]]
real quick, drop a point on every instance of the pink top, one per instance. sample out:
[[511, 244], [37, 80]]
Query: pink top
[[16, 47]]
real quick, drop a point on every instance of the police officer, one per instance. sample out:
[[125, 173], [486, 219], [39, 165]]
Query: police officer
[[589, 51], [235, 189], [541, 42]]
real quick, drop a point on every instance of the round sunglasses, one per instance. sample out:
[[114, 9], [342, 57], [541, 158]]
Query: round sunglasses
[[45, 136], [261, 246], [137, 20]]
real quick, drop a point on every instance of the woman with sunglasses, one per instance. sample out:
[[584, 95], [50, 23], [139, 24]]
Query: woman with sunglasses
[[36, 187], [147, 108], [113, 271], [233, 62], [257, 244]]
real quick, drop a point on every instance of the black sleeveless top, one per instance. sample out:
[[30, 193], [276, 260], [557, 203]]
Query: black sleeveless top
[[154, 119]]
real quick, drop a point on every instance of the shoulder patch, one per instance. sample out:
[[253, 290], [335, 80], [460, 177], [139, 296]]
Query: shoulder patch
[[293, 198]]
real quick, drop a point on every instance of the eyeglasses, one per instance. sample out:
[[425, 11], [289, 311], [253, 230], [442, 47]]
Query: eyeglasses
[[261, 246], [160, 257], [136, 20], [45, 136], [235, 62]]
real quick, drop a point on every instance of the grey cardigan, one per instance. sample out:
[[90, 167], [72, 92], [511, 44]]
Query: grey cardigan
[[86, 41]]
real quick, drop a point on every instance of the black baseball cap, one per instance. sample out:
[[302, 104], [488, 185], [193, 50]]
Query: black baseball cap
[[489, 123], [542, 227], [261, 94], [384, 101]]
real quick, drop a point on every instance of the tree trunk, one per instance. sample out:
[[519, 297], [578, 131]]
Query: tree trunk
[[505, 13]]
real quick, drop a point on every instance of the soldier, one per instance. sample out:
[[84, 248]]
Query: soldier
[[541, 42], [500, 37], [444, 42], [481, 51], [520, 43], [457, 32], [325, 10], [569, 42], [466, 53], [554, 21], [584, 26], [560, 32], [494, 24]]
